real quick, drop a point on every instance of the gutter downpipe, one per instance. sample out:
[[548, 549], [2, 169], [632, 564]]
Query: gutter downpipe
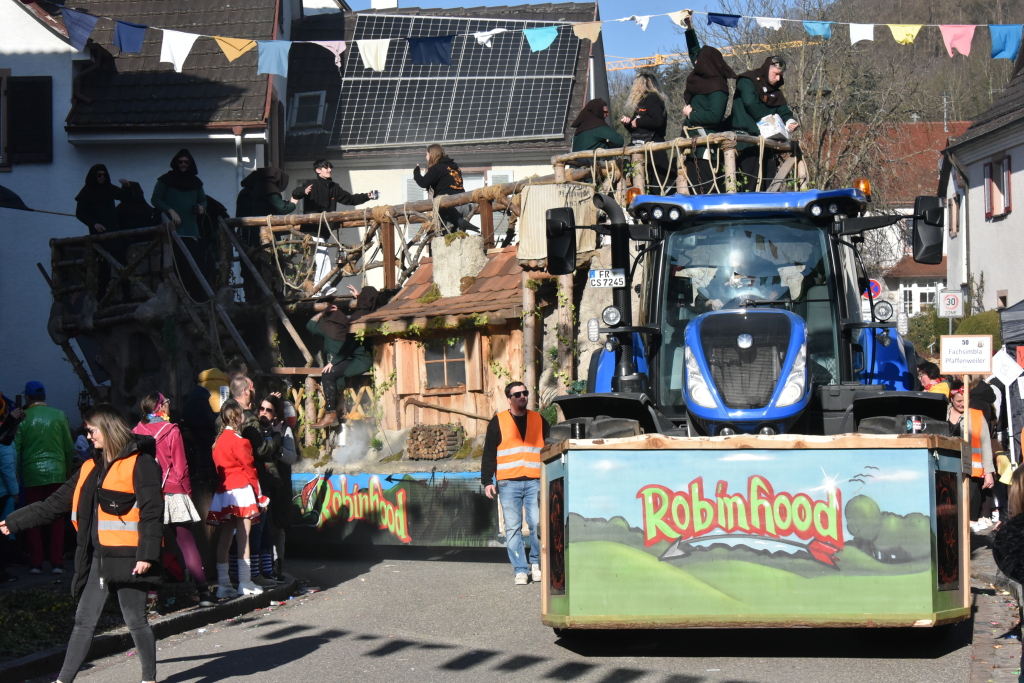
[[239, 163]]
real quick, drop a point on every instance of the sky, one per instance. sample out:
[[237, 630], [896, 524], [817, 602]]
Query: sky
[[624, 39]]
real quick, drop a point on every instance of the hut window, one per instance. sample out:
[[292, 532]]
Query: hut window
[[308, 109], [445, 360]]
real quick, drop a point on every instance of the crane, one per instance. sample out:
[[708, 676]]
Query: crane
[[626, 63]]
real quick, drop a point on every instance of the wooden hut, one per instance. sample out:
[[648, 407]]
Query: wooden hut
[[446, 359]]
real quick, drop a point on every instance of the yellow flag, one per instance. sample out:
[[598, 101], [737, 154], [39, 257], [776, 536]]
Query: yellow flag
[[234, 47], [904, 34], [587, 31]]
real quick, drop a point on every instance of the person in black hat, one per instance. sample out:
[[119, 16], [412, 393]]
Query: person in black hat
[[759, 94]]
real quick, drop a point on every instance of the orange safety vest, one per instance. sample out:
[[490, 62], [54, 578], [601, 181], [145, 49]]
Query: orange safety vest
[[112, 530], [519, 457], [977, 420]]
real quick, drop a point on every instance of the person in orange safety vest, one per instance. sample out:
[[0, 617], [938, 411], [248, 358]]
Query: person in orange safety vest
[[982, 463], [512, 448], [117, 508]]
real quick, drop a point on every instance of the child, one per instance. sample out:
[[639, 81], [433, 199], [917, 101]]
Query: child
[[237, 501]]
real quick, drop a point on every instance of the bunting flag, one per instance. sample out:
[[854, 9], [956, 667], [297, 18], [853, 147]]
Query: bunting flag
[[129, 37], [767, 22], [1005, 40], [904, 34], [10, 200], [958, 37], [540, 38], [374, 53], [859, 32], [79, 26], [273, 57], [678, 18], [436, 50], [641, 21], [485, 37], [335, 47], [175, 47], [587, 31], [818, 28], [234, 48], [730, 20]]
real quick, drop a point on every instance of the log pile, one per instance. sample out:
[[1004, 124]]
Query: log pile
[[433, 442]]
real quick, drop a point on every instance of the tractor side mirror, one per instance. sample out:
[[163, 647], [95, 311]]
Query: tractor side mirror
[[928, 225], [561, 233]]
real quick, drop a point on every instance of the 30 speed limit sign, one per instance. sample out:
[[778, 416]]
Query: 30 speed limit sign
[[951, 303]]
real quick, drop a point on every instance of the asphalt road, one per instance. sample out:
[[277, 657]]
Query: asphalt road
[[455, 616]]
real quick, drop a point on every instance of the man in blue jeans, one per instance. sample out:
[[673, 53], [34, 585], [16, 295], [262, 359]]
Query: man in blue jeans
[[512, 454]]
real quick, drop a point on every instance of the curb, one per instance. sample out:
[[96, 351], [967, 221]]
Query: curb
[[1000, 580], [121, 640]]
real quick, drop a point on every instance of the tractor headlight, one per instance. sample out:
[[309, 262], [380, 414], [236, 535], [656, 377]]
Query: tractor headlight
[[833, 208], [674, 214], [611, 316], [696, 386], [657, 213], [796, 383], [816, 210]]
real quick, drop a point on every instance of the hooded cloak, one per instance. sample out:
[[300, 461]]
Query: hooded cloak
[[709, 74], [183, 181], [770, 94], [264, 181], [366, 301], [335, 325], [94, 192], [591, 116]]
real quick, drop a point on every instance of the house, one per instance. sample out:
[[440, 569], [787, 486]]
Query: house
[[447, 359], [915, 284], [979, 180], [130, 112], [501, 112]]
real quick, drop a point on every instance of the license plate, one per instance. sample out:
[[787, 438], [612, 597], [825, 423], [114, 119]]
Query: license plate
[[616, 277]]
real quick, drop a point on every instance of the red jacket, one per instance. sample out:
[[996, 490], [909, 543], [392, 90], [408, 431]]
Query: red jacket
[[170, 453], [232, 455]]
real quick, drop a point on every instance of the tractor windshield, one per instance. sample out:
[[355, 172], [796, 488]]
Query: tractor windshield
[[747, 264]]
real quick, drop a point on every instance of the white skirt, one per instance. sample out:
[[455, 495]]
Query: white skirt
[[241, 502], [179, 509]]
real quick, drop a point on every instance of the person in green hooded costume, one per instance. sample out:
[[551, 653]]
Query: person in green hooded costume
[[759, 94]]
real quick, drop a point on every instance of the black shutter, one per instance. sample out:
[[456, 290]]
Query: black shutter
[[30, 119]]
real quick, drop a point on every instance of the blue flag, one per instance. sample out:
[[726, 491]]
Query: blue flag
[[730, 20], [819, 28], [128, 37], [79, 26], [273, 57], [1005, 40], [431, 50], [540, 38]]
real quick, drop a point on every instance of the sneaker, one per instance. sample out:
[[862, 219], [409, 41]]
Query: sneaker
[[521, 579], [207, 599], [35, 570], [249, 588], [265, 582], [8, 577], [226, 593], [57, 570], [535, 573]]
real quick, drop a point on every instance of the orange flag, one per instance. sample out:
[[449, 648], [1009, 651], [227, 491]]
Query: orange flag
[[234, 47]]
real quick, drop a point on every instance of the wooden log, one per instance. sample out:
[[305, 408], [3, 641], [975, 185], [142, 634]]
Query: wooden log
[[76, 363], [487, 224], [529, 341], [387, 246], [117, 264], [127, 270], [225, 318], [639, 169], [133, 235], [310, 408], [681, 143], [446, 409], [292, 332], [566, 333]]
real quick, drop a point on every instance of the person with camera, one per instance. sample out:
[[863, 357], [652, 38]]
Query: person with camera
[[323, 194]]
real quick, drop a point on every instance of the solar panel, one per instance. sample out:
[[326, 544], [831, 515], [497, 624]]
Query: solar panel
[[503, 92]]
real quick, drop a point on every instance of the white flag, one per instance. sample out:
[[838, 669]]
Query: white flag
[[641, 21], [175, 47], [859, 32], [374, 53], [767, 22], [484, 37]]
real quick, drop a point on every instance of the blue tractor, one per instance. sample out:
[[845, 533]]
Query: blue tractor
[[751, 319]]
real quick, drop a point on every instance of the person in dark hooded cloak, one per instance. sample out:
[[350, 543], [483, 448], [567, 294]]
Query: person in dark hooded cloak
[[759, 94], [261, 194], [95, 201], [346, 355], [179, 194], [592, 129]]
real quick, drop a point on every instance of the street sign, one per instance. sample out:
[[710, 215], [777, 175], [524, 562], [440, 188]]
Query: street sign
[[965, 354], [1005, 367], [876, 290], [951, 303]]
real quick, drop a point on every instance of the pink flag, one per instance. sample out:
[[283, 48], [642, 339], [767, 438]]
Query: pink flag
[[958, 36]]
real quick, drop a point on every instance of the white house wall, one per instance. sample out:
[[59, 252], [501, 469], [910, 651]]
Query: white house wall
[[29, 49]]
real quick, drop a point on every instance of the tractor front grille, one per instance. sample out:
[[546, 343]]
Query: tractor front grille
[[745, 378]]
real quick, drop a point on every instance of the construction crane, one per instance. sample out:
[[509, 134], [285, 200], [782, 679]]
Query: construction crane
[[627, 63]]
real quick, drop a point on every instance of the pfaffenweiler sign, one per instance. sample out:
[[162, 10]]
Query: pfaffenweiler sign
[[966, 354]]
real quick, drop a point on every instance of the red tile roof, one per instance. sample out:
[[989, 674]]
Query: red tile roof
[[497, 290], [908, 267]]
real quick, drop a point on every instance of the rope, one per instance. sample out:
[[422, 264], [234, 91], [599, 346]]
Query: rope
[[277, 262]]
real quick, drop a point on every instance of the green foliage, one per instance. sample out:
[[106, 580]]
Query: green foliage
[[533, 284], [451, 237], [376, 444], [549, 413], [394, 457], [925, 329], [578, 386], [432, 295], [310, 452], [982, 323]]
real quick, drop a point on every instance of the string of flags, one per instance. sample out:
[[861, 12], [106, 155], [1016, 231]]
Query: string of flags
[[273, 54]]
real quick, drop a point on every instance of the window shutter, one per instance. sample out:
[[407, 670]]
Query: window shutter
[[407, 378], [474, 362], [987, 185], [1007, 186], [30, 119]]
